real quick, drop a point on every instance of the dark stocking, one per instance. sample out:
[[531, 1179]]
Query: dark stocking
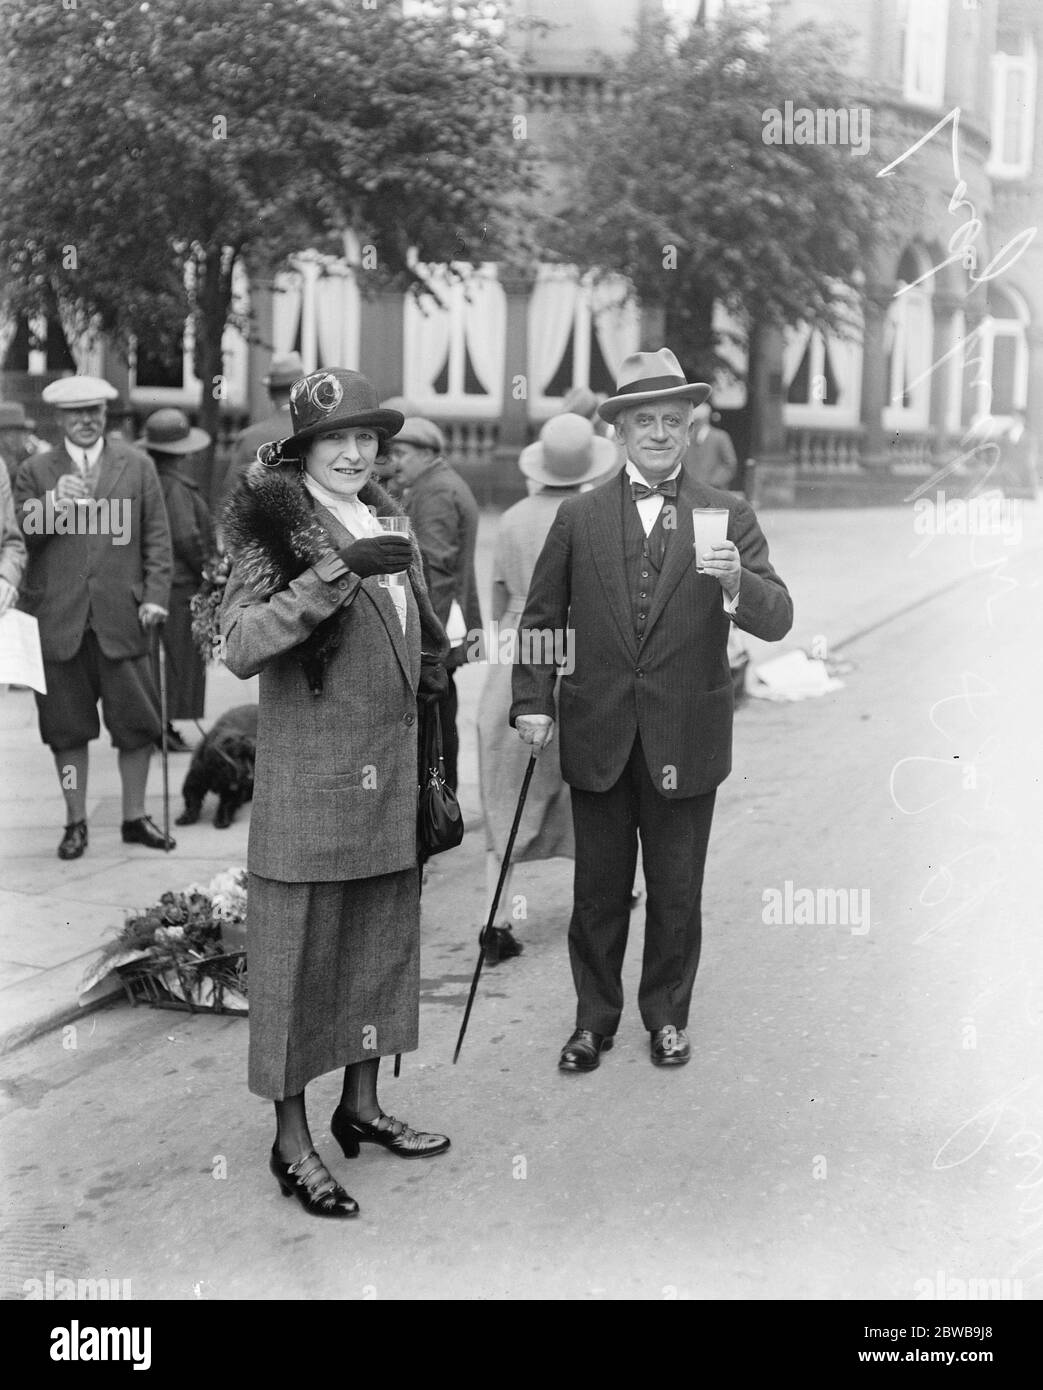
[[292, 1138], [358, 1099]]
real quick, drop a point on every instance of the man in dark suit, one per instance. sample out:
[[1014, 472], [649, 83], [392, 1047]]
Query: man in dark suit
[[283, 372], [646, 710], [98, 580], [710, 457], [444, 516]]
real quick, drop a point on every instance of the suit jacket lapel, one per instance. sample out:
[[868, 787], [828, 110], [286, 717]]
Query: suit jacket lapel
[[382, 600], [609, 549], [110, 469]]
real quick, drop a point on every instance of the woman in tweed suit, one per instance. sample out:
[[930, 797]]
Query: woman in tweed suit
[[334, 916]]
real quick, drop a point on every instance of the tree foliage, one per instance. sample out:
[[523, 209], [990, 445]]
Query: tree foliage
[[147, 138], [678, 160]]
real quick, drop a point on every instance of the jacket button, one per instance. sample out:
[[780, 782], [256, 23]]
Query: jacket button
[[641, 616], [409, 719], [342, 584], [639, 672], [644, 574]]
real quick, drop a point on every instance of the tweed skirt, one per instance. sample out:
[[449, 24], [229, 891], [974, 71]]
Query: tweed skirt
[[334, 972]]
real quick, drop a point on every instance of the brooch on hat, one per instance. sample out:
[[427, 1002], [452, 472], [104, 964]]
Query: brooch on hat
[[324, 392]]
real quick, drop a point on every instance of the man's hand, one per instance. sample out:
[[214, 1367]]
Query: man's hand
[[149, 614], [723, 563], [537, 729], [8, 594], [70, 485]]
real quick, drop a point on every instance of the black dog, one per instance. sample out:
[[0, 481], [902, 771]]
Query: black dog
[[223, 763]]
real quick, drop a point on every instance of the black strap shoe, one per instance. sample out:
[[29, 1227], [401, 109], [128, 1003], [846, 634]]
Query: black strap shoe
[[583, 1051], [310, 1181], [670, 1047], [144, 831], [74, 841]]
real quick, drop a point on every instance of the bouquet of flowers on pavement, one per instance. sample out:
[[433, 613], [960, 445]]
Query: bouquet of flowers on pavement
[[190, 942]]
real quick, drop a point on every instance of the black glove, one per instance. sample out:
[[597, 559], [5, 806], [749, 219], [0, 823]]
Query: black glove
[[388, 554], [434, 680]]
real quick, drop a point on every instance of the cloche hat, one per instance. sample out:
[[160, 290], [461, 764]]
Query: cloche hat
[[330, 399]]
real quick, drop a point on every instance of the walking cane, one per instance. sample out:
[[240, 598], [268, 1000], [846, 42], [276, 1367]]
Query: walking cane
[[496, 901], [161, 657]]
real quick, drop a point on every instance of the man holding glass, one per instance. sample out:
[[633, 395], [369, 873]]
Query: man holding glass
[[646, 711]]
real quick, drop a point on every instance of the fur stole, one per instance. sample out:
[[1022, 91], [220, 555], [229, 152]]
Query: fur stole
[[271, 528]]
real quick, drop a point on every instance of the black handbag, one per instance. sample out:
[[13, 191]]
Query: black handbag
[[439, 823]]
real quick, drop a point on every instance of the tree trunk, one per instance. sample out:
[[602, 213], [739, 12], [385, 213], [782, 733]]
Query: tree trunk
[[689, 331], [213, 300]]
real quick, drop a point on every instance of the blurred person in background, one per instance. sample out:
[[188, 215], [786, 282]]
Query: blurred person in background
[[444, 517], [711, 454], [567, 457], [96, 592], [168, 439], [282, 373], [12, 547], [17, 440]]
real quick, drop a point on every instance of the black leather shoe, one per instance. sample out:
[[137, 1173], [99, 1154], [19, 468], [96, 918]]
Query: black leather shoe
[[583, 1051], [314, 1186], [390, 1133], [144, 831], [670, 1047], [74, 841], [501, 944]]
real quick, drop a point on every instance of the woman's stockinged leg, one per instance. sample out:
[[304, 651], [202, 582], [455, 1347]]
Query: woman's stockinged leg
[[358, 1099], [292, 1138]]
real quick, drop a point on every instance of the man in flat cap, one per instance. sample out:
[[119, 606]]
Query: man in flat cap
[[646, 711], [98, 580], [17, 440], [282, 373], [444, 515]]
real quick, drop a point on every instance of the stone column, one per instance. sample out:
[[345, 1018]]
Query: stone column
[[875, 457], [773, 479], [504, 479]]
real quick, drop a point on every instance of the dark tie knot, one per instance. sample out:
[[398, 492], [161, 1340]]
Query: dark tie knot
[[638, 491]]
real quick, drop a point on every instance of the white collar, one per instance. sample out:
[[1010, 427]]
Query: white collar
[[352, 514], [636, 476], [84, 458]]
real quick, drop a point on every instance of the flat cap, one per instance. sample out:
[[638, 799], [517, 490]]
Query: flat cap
[[78, 392], [425, 434]]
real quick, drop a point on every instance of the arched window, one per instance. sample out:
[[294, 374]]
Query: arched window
[[908, 343]]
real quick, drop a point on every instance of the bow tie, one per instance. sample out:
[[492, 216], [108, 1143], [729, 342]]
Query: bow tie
[[639, 491]]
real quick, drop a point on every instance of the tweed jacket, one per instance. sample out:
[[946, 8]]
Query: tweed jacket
[[713, 460], [674, 688], [335, 777], [105, 578], [12, 547], [445, 520]]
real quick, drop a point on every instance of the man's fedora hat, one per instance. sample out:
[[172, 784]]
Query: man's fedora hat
[[284, 371], [651, 376], [13, 417], [568, 453], [168, 431], [78, 392], [424, 434], [333, 399]]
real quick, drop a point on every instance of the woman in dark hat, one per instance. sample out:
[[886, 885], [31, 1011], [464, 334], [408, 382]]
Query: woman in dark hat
[[334, 934], [169, 440]]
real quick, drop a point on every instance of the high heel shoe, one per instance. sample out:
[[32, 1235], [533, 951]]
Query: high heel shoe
[[390, 1133], [314, 1186]]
